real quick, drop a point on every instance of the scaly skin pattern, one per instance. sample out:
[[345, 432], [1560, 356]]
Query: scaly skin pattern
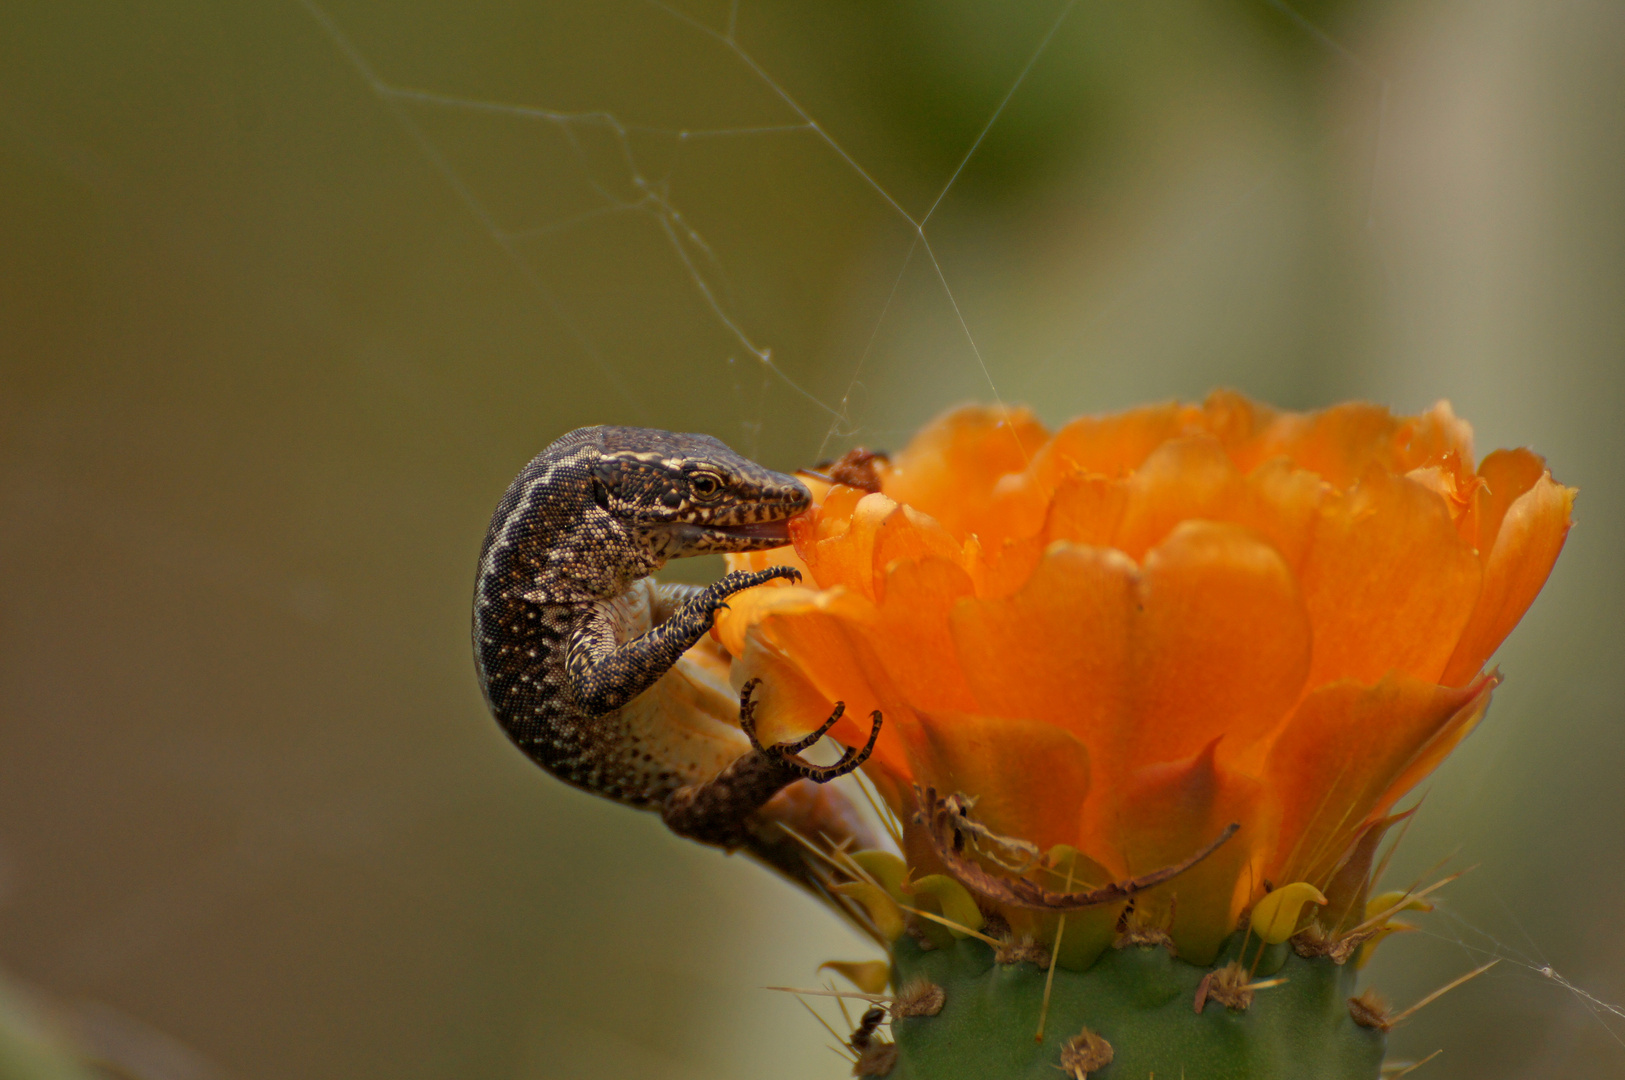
[[568, 630]]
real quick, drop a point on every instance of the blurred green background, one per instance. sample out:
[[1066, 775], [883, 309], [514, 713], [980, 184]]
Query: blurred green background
[[274, 338]]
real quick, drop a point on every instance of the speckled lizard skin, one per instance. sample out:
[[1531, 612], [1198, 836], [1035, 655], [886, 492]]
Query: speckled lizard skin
[[569, 629]]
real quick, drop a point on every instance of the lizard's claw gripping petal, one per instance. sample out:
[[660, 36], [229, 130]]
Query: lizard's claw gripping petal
[[851, 759], [722, 590], [787, 573], [787, 754], [810, 739]]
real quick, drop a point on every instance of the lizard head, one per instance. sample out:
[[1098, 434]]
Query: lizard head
[[679, 495]]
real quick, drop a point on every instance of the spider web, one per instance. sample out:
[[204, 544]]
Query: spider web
[[637, 193], [628, 168]]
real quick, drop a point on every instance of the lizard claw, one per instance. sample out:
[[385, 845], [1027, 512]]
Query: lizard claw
[[788, 754], [740, 580]]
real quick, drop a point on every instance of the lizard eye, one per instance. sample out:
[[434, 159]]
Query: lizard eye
[[705, 486]]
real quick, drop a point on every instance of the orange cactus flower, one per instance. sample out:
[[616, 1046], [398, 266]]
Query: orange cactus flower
[[1125, 634]]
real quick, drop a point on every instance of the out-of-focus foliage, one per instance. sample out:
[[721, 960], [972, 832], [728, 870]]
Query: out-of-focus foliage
[[28, 1053]]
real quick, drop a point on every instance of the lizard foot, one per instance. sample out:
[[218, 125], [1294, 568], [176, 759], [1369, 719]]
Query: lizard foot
[[739, 580], [718, 811], [788, 754]]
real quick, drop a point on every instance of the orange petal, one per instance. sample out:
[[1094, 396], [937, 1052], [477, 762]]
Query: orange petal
[[1098, 447], [1457, 489], [1526, 546], [907, 534], [1086, 509], [1283, 506], [911, 633], [1173, 810], [847, 557], [1342, 443], [1436, 436], [750, 606], [876, 532], [1236, 420], [1343, 749], [1020, 502], [826, 638], [1007, 566], [1389, 583], [1507, 474], [1448, 737], [1057, 649], [950, 468], [831, 517], [1182, 479], [1221, 643], [1115, 445], [1337, 444], [1029, 778]]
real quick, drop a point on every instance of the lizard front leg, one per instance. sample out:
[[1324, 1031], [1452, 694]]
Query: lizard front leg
[[605, 674], [715, 812]]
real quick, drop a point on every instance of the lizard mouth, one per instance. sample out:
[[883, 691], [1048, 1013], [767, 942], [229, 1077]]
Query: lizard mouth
[[758, 530]]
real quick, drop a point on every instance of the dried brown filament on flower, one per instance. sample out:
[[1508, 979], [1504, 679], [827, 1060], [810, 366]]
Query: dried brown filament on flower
[[1009, 852], [942, 822], [853, 469]]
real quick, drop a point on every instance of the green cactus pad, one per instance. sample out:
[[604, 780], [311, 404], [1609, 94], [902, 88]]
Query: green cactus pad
[[1142, 1001]]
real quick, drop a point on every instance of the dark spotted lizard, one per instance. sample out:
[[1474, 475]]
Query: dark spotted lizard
[[569, 628]]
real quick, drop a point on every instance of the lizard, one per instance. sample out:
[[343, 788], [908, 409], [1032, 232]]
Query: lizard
[[569, 628]]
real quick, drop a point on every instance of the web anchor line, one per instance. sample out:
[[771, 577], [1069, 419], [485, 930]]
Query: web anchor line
[[1601, 1011]]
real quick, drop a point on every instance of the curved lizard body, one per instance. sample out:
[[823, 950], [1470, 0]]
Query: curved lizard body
[[568, 630]]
